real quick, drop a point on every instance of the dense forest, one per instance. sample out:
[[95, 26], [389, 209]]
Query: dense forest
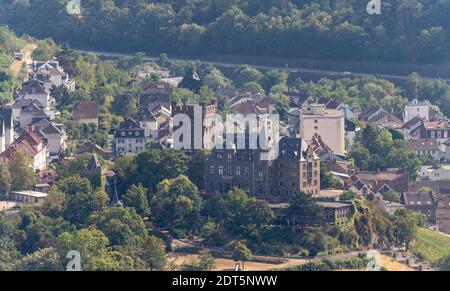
[[406, 31]]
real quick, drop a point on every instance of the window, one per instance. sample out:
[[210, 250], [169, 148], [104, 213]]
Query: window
[[238, 171], [121, 140], [211, 170], [139, 140], [220, 170]]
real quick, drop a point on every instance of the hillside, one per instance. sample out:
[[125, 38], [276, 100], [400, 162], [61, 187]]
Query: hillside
[[406, 31], [431, 245]]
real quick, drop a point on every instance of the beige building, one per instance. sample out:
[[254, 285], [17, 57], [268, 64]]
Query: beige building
[[327, 123]]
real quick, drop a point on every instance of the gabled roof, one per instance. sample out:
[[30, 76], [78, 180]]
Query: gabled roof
[[51, 129], [423, 144], [33, 87], [425, 198], [130, 128], [416, 120], [93, 163]]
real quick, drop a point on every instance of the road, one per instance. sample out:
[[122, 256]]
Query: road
[[16, 65], [291, 68]]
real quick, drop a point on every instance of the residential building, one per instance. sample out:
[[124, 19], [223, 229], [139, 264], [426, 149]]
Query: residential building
[[422, 202], [52, 73], [328, 123], [381, 117], [439, 130], [33, 145], [85, 112], [396, 179], [296, 169], [129, 138], [148, 122], [337, 213], [6, 127], [410, 128], [443, 213], [428, 146], [36, 90], [437, 172], [31, 113], [92, 147], [27, 196], [417, 109]]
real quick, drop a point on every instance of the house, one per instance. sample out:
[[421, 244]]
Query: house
[[92, 147], [437, 172], [55, 136], [351, 131], [36, 90], [409, 128], [337, 213], [422, 202], [296, 169], [327, 123], [148, 122], [6, 127], [428, 146], [396, 179], [439, 130], [31, 113], [153, 93], [33, 145], [129, 138], [85, 112], [417, 109], [443, 213], [334, 104], [52, 73], [381, 118], [27, 196]]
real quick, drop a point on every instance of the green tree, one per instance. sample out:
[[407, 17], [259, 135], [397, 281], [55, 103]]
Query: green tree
[[153, 253], [136, 197], [175, 200], [22, 172], [5, 179], [43, 260], [406, 224], [83, 204], [303, 210], [122, 226], [246, 74], [241, 253]]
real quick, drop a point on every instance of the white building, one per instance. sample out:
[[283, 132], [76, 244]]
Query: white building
[[129, 138], [417, 109], [327, 123], [435, 172]]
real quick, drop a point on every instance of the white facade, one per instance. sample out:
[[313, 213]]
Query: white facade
[[415, 108], [435, 173], [129, 146], [328, 123]]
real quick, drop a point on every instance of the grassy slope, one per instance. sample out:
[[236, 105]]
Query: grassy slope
[[432, 245]]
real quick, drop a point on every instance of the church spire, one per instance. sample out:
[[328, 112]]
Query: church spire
[[114, 201]]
